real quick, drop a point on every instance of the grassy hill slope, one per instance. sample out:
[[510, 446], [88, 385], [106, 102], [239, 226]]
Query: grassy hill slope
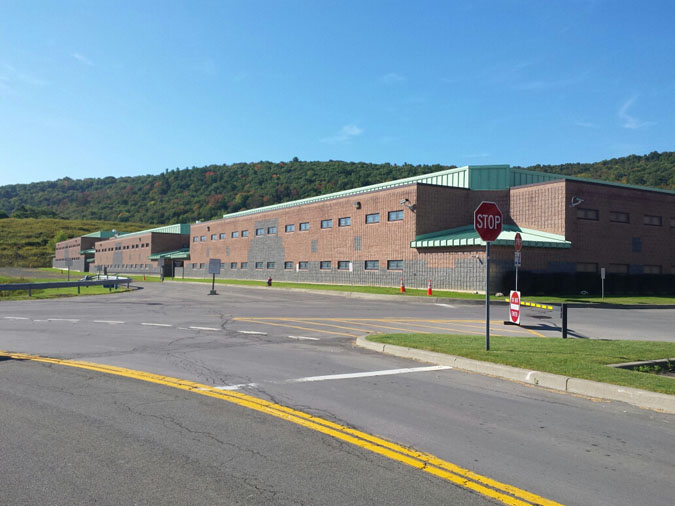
[[30, 242]]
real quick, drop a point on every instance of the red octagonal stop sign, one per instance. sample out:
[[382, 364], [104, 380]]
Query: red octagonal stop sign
[[487, 220]]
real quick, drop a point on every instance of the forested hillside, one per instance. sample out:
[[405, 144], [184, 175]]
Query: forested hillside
[[185, 195]]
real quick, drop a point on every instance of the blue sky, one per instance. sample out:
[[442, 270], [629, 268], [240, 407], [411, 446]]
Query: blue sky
[[115, 88]]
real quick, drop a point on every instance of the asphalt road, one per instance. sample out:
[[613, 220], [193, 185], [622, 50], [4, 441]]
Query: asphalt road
[[127, 441]]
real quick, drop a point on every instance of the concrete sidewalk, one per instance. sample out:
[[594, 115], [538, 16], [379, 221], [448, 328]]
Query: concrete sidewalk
[[606, 391]]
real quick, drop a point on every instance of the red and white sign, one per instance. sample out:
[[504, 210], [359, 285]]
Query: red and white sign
[[487, 221], [514, 307], [518, 241]]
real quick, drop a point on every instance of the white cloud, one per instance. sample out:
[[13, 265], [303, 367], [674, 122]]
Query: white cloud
[[392, 78], [345, 134], [629, 121], [14, 75], [585, 124], [82, 59]]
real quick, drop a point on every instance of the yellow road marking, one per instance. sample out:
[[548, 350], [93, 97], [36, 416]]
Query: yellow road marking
[[505, 493], [249, 320], [300, 320]]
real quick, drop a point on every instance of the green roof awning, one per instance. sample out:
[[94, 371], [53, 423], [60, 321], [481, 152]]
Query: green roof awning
[[91, 251], [180, 254], [467, 236]]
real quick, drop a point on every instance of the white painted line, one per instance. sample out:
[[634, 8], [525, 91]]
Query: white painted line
[[157, 324], [203, 328], [252, 332], [236, 387], [110, 322], [15, 318], [74, 320], [40, 320], [446, 305], [303, 338], [369, 374], [183, 328]]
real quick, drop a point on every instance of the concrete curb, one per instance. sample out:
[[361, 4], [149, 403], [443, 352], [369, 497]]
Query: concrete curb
[[605, 391]]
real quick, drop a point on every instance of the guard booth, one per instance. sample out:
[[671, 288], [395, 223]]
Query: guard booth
[[171, 264]]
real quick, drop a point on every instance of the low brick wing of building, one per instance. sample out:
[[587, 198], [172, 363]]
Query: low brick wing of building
[[78, 252]]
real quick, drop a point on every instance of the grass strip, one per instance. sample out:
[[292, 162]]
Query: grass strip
[[578, 358], [50, 293]]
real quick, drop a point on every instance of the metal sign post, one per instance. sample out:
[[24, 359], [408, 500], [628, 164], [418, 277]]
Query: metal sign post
[[487, 221], [518, 244], [602, 277], [214, 268]]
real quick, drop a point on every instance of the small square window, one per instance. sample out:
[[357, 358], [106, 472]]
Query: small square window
[[619, 217], [202, 238], [235, 234], [271, 265], [233, 265], [587, 267], [244, 265], [587, 214], [259, 265], [395, 215], [271, 230], [324, 265], [244, 233], [304, 226], [303, 266], [259, 231], [372, 265], [395, 265], [654, 221], [194, 266], [343, 265], [214, 237], [223, 236], [373, 218], [201, 266], [288, 265], [290, 228], [326, 223], [345, 222]]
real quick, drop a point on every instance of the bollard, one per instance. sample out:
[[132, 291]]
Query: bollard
[[563, 315], [429, 292], [402, 286]]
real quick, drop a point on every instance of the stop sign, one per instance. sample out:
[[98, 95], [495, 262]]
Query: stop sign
[[487, 220]]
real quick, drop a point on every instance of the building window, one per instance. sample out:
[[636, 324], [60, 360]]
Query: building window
[[395, 265], [373, 218], [194, 266], [235, 234], [259, 265], [233, 265], [587, 267], [372, 265], [214, 237], [618, 268], [343, 265], [244, 265], [288, 265], [202, 238], [619, 217], [259, 231], [201, 266], [588, 214], [651, 269], [290, 228], [223, 236], [304, 226], [654, 221], [244, 233], [395, 215], [345, 222], [271, 230], [324, 265], [271, 265], [326, 223], [303, 266]]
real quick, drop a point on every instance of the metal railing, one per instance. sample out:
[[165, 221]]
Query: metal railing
[[106, 281]]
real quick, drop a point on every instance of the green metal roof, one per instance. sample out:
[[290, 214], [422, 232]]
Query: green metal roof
[[180, 254], [103, 234], [467, 236], [178, 228]]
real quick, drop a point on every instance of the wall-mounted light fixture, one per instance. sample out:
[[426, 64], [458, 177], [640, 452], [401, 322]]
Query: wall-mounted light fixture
[[208, 228], [406, 202], [576, 201], [357, 204]]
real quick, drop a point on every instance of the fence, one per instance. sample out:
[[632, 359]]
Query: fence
[[109, 282]]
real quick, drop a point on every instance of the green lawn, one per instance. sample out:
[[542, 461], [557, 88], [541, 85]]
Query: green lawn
[[579, 358], [51, 292]]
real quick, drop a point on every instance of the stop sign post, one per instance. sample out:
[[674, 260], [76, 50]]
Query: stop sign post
[[487, 221], [518, 244]]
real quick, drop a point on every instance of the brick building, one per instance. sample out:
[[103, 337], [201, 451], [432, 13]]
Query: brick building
[[421, 228], [148, 251], [78, 251]]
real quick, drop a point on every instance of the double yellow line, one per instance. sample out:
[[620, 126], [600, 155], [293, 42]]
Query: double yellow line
[[428, 463]]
